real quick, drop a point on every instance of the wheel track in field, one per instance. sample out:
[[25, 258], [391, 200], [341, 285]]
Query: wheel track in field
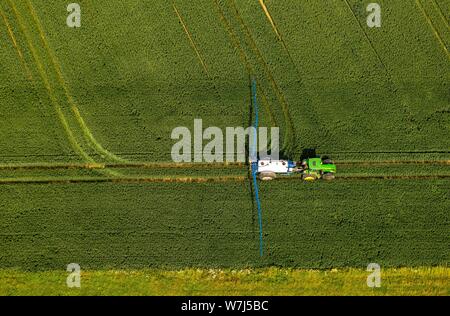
[[124, 180], [41, 71], [134, 165], [368, 39], [244, 60], [187, 165], [433, 27], [27, 69], [392, 162], [191, 41], [291, 136], [215, 179], [441, 13], [86, 132], [278, 33], [48, 87], [199, 56], [15, 44]]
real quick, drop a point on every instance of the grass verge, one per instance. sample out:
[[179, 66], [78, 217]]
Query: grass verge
[[268, 281]]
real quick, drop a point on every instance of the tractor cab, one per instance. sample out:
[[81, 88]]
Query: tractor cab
[[317, 168]]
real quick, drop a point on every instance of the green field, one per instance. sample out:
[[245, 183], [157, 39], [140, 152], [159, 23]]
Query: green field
[[86, 174]]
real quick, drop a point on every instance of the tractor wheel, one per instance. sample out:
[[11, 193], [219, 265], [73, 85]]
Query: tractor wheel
[[328, 176], [267, 176], [327, 162], [309, 177]]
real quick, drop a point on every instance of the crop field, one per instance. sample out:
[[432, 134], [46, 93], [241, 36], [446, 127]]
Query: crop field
[[86, 116]]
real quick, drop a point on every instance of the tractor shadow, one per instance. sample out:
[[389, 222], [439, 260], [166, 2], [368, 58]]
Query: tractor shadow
[[311, 153]]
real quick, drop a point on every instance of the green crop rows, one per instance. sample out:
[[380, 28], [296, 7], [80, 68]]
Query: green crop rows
[[85, 105], [394, 223]]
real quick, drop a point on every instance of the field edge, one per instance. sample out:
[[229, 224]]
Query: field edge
[[248, 282]]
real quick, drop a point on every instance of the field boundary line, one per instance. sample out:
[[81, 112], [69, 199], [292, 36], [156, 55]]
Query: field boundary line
[[433, 28], [191, 41], [244, 60], [86, 132]]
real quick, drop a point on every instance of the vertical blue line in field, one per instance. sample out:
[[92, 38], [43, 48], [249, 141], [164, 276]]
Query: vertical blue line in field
[[254, 165]]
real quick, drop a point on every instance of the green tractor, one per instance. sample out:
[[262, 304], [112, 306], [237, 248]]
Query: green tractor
[[317, 168]]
